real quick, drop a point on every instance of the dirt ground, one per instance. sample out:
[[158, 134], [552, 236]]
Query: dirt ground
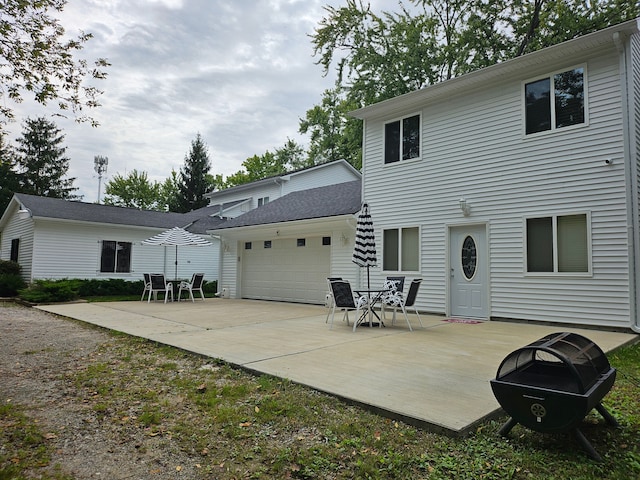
[[39, 353]]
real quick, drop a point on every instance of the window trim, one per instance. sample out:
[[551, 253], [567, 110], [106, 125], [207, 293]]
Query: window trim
[[554, 129], [384, 139], [115, 258], [554, 225], [399, 252], [14, 254]]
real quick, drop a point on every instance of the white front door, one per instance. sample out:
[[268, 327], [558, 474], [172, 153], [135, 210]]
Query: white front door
[[468, 270]]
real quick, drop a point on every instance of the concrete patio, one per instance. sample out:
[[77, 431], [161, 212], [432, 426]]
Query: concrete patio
[[436, 377]]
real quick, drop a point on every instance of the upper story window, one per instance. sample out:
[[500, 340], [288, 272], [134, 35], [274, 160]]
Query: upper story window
[[558, 244], [555, 101], [263, 201], [402, 139], [115, 257]]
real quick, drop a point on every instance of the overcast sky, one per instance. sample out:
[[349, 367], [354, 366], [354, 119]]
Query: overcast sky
[[239, 72]]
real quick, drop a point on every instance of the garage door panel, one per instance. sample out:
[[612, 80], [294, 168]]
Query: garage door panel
[[285, 271]]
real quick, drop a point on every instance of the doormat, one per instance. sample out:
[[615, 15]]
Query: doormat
[[462, 320]]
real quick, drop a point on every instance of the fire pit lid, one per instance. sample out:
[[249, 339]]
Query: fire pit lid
[[582, 361]]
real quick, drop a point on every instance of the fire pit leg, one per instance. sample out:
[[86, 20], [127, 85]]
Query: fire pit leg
[[582, 440], [506, 428], [607, 416]]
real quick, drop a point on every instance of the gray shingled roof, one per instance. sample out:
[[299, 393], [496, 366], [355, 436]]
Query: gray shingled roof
[[91, 212], [321, 202]]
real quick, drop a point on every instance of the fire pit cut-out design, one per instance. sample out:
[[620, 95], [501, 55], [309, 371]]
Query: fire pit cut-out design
[[550, 385]]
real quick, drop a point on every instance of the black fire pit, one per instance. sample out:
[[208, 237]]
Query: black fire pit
[[550, 385]]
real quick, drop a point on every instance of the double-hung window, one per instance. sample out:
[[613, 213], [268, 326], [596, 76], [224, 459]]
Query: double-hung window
[[401, 249], [115, 257], [402, 139], [555, 101], [558, 244]]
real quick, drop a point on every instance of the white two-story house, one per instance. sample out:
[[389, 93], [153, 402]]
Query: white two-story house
[[512, 191]]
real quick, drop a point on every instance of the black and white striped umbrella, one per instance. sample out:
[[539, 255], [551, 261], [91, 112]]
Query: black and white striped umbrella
[[364, 251], [177, 237]]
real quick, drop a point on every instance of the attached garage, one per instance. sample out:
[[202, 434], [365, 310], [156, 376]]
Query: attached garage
[[288, 269], [285, 250]]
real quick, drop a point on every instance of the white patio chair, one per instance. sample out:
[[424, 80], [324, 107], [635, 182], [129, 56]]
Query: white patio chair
[[396, 301], [396, 287], [329, 298], [197, 280], [147, 285], [160, 284]]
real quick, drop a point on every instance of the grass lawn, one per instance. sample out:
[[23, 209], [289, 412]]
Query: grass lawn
[[237, 425]]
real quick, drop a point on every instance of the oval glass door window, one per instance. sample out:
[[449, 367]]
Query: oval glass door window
[[469, 257]]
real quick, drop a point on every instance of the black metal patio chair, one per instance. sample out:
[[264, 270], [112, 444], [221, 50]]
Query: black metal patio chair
[[160, 284], [345, 300], [197, 280], [396, 301]]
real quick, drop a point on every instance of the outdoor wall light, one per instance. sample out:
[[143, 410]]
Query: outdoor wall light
[[24, 213], [465, 207]]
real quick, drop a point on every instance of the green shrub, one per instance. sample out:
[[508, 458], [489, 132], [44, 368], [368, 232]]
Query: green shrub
[[10, 284], [210, 287], [109, 287], [64, 290], [46, 291], [9, 268]]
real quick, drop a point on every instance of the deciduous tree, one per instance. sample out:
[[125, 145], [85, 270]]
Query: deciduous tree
[[286, 158], [134, 190], [381, 56], [38, 59]]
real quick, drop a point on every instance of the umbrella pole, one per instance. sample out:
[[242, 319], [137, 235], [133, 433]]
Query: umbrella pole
[[175, 274]]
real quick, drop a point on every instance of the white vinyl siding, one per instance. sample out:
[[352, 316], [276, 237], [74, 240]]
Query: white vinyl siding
[[320, 176], [472, 146], [73, 250], [22, 230]]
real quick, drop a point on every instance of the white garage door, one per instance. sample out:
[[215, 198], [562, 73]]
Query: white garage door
[[290, 270]]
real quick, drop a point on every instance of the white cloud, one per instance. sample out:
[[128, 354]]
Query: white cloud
[[239, 72]]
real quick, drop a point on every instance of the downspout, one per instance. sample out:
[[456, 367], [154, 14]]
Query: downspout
[[630, 182], [220, 259]]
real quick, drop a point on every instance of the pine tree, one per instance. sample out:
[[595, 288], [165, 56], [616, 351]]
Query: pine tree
[[195, 180], [8, 177], [40, 160]]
